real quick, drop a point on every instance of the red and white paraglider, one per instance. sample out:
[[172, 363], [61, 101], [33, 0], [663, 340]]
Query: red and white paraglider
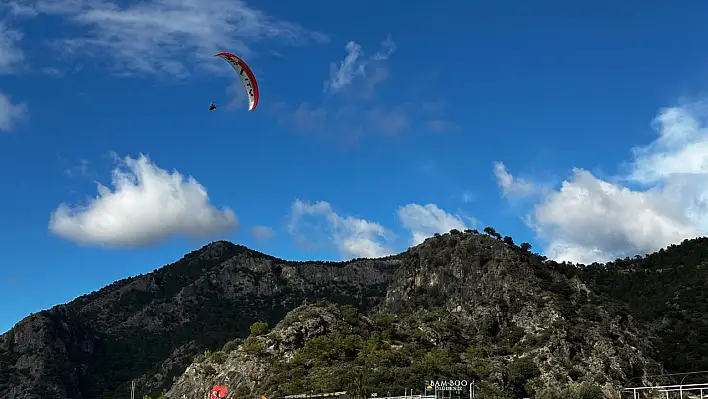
[[247, 79]]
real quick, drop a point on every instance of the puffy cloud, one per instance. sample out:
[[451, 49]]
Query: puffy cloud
[[160, 36], [10, 53], [681, 148], [354, 65], [147, 205], [510, 185], [314, 223], [262, 233], [424, 221], [589, 219], [10, 113]]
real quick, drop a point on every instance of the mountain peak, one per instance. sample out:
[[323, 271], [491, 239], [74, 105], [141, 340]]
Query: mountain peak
[[508, 317]]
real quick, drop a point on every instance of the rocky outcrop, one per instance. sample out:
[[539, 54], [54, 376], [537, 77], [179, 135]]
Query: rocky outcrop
[[248, 367], [503, 316], [461, 305], [149, 328]]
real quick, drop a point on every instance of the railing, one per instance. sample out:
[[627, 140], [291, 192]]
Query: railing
[[407, 397], [684, 391]]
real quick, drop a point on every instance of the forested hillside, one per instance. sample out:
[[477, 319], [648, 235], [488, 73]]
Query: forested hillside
[[461, 305]]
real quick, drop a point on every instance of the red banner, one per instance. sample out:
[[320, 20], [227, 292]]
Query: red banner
[[218, 391]]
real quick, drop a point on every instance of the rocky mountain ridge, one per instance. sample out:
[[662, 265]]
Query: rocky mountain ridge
[[460, 306], [483, 301], [148, 328]]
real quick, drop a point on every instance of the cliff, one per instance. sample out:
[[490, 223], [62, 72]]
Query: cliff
[[461, 305]]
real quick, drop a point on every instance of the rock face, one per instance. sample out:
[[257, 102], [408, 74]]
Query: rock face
[[149, 328], [246, 367], [496, 289], [461, 305], [486, 310]]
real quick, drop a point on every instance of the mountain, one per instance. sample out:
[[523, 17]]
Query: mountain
[[668, 292], [150, 327], [460, 305]]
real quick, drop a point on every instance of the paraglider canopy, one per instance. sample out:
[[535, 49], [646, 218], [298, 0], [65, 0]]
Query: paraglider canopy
[[247, 78]]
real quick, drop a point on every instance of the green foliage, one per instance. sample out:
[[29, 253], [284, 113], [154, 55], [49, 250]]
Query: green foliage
[[580, 391], [218, 357], [259, 328], [383, 320], [518, 373], [669, 285], [163, 395], [392, 354], [252, 345], [490, 231], [509, 241], [232, 345], [477, 350]]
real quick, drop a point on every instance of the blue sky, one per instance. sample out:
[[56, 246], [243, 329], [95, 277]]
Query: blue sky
[[578, 129]]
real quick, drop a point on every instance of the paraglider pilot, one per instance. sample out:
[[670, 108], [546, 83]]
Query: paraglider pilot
[[212, 107]]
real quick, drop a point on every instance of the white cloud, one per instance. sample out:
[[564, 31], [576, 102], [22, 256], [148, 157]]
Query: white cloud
[[682, 146], [10, 113], [163, 36], [314, 224], [510, 185], [354, 66], [589, 219], [262, 233], [11, 56], [424, 221], [147, 205], [20, 9], [353, 237]]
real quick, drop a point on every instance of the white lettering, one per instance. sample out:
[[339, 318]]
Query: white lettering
[[448, 385]]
